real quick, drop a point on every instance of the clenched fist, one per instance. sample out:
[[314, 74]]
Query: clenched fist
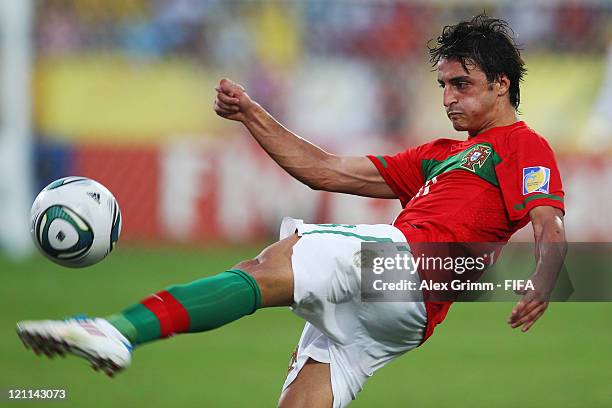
[[232, 102]]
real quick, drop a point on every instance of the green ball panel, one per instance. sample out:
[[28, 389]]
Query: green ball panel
[[63, 182], [116, 226], [81, 226]]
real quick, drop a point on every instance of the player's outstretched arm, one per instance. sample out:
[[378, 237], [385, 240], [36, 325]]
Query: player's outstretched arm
[[550, 250], [305, 161]]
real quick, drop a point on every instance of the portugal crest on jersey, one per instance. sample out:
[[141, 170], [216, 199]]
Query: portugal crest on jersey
[[477, 156]]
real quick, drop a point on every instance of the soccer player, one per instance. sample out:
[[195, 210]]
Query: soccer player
[[481, 189]]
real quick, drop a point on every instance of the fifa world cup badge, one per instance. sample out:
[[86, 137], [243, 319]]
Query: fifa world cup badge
[[536, 180]]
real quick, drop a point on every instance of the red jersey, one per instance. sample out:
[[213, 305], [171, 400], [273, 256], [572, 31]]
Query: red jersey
[[477, 190]]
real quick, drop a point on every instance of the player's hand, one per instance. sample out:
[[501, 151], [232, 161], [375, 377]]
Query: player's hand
[[528, 310], [231, 101]]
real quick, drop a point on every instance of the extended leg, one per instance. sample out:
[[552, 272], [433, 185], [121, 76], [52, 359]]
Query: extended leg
[[201, 305]]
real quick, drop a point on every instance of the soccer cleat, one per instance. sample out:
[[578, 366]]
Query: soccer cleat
[[95, 340]]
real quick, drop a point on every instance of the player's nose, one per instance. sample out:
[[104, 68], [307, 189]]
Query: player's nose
[[449, 97]]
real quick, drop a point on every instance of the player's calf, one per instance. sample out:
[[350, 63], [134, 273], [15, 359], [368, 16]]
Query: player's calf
[[214, 301]]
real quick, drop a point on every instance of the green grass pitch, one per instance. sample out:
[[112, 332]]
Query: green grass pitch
[[473, 360]]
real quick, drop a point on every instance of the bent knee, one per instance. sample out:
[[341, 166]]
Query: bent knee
[[273, 272], [275, 284], [247, 265], [274, 287]]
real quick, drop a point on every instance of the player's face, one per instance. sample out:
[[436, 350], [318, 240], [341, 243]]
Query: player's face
[[469, 99]]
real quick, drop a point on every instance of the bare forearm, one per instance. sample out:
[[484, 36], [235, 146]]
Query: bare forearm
[[551, 249], [303, 160]]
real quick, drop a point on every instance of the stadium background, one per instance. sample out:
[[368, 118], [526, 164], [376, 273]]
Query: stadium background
[[121, 91]]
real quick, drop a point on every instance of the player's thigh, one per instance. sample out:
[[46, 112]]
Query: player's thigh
[[273, 272], [310, 389]]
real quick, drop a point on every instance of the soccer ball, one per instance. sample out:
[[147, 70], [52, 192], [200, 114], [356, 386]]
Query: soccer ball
[[75, 221]]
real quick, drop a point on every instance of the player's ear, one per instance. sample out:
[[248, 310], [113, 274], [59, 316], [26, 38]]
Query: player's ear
[[503, 85]]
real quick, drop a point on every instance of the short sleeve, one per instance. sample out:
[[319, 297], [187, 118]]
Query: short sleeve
[[528, 175], [402, 172]]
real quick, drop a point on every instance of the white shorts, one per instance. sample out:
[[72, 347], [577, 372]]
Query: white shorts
[[356, 338]]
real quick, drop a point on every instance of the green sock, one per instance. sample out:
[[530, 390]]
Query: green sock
[[198, 306]]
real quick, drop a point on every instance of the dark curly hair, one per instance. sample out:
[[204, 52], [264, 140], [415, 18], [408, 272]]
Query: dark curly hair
[[486, 42]]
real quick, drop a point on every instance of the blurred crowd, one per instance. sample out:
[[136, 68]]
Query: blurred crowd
[[380, 39], [216, 29]]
